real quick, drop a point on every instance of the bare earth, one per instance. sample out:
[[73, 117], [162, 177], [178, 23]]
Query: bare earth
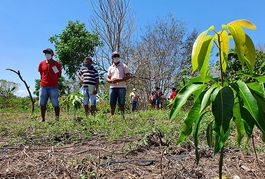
[[99, 158]]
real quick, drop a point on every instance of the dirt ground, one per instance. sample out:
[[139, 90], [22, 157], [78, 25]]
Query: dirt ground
[[99, 158]]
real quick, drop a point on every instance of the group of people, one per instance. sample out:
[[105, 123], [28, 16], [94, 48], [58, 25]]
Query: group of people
[[51, 70], [118, 73], [156, 98]]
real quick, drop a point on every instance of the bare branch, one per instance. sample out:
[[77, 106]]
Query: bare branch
[[31, 98]]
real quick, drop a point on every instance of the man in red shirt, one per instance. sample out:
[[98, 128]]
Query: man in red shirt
[[173, 94], [50, 71]]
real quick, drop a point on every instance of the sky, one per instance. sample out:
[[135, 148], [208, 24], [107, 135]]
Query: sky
[[25, 26]]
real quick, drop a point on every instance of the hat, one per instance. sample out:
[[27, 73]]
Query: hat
[[134, 89], [115, 53], [48, 50]]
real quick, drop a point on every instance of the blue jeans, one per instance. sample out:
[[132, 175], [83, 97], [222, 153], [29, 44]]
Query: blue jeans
[[117, 94], [158, 101], [88, 97], [49, 92]]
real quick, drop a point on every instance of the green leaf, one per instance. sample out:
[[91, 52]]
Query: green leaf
[[223, 37], [196, 49], [198, 79], [242, 114], [186, 127], [222, 109], [255, 86], [250, 52], [260, 122], [195, 136], [249, 121], [206, 97], [204, 56], [182, 97], [248, 99], [211, 28], [258, 77], [239, 37], [209, 134], [254, 103], [240, 129], [243, 23]]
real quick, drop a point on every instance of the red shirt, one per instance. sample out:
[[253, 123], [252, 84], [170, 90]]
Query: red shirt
[[173, 95], [50, 73]]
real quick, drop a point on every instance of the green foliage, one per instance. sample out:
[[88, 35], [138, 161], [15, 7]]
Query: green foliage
[[7, 90], [235, 71], [231, 100], [73, 45]]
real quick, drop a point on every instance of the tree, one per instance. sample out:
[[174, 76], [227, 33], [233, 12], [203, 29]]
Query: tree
[[7, 90], [162, 52], [232, 102], [234, 68], [73, 45], [114, 24]]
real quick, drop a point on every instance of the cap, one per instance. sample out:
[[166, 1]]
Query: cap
[[115, 53], [134, 89], [48, 50]]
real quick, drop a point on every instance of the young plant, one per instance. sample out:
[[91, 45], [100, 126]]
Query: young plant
[[229, 101], [74, 99]]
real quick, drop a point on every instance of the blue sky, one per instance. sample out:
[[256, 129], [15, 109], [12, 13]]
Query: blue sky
[[25, 26]]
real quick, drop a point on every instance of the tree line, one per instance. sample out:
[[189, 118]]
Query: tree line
[[158, 54]]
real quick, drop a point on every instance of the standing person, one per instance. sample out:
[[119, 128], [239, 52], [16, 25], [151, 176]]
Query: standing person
[[50, 71], [118, 73], [134, 98], [152, 99], [158, 100], [173, 94], [89, 77]]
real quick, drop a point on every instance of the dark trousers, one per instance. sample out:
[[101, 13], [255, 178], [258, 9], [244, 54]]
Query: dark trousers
[[134, 106]]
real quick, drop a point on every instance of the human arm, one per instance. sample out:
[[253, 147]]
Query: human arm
[[59, 66], [96, 87], [80, 77], [125, 78]]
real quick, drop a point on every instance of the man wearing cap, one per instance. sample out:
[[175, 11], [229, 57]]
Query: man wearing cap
[[50, 71], [118, 73], [134, 97]]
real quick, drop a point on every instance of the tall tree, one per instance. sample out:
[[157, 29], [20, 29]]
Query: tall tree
[[114, 23], [73, 45], [162, 52]]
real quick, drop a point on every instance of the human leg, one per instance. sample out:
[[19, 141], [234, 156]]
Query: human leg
[[93, 100], [54, 96], [134, 104], [43, 111], [57, 112], [113, 94], [158, 102], [43, 98], [121, 99], [85, 100]]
